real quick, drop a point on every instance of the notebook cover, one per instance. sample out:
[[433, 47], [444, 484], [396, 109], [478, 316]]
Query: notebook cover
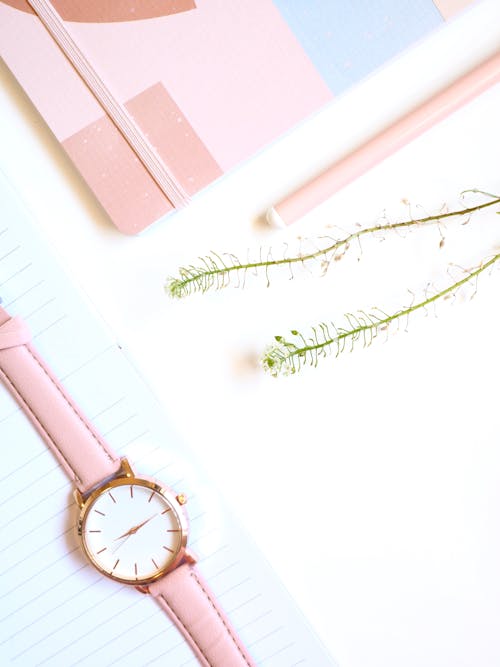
[[208, 83]]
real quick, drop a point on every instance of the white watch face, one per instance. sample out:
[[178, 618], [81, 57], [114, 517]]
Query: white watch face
[[132, 531]]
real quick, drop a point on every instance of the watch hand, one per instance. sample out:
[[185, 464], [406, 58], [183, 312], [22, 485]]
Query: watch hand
[[127, 534], [113, 551], [134, 529], [130, 532]]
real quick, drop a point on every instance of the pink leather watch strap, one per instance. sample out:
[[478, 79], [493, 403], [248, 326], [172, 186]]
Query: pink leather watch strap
[[79, 448], [188, 601], [84, 455]]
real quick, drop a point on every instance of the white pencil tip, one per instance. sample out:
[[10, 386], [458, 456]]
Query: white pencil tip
[[274, 218]]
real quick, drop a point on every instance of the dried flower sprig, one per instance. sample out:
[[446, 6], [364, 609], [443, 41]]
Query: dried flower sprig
[[287, 356], [217, 271]]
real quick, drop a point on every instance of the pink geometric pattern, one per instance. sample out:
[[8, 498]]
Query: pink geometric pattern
[[99, 11], [119, 180], [175, 141]]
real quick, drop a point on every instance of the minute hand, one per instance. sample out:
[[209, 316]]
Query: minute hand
[[134, 530]]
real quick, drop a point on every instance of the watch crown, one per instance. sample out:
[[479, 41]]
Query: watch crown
[[181, 499]]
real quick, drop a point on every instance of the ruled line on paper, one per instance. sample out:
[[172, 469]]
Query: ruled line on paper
[[39, 618], [200, 538], [4, 419], [27, 490], [32, 507], [137, 437], [41, 594], [148, 454], [281, 650], [38, 573], [49, 326], [176, 483], [40, 307], [43, 454], [266, 636], [9, 253], [224, 570], [89, 361], [137, 646], [20, 296], [122, 423], [39, 548], [215, 553], [119, 587], [47, 520], [231, 589], [199, 516], [254, 620], [108, 407], [40, 477], [75, 618], [16, 273], [233, 609], [63, 648], [162, 655]]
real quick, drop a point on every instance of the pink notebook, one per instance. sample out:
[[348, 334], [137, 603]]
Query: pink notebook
[[153, 100]]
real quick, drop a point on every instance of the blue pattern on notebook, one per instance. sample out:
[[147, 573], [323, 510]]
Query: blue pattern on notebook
[[348, 39]]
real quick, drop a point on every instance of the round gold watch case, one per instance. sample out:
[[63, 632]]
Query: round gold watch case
[[175, 502]]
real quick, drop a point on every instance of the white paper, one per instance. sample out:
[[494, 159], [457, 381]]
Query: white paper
[[55, 609]]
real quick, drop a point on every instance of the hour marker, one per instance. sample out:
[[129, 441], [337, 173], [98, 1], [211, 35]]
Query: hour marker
[[169, 509], [168, 549], [101, 513], [111, 496], [100, 552], [117, 561], [173, 530], [154, 563], [94, 531], [135, 569], [151, 496], [131, 491]]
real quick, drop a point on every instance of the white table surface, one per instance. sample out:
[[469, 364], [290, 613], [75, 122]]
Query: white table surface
[[372, 482]]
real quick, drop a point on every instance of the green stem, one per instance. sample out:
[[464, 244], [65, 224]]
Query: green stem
[[285, 352], [180, 286]]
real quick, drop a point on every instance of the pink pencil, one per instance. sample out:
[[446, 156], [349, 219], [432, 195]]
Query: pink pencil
[[385, 143]]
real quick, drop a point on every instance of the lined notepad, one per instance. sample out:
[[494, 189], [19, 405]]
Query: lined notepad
[[55, 609]]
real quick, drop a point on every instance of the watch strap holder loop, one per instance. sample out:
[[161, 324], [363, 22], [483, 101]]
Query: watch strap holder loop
[[14, 333]]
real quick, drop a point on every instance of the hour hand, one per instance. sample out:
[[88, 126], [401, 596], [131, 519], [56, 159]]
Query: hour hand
[[134, 529], [129, 532]]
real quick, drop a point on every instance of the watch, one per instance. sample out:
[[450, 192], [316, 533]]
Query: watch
[[133, 529]]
